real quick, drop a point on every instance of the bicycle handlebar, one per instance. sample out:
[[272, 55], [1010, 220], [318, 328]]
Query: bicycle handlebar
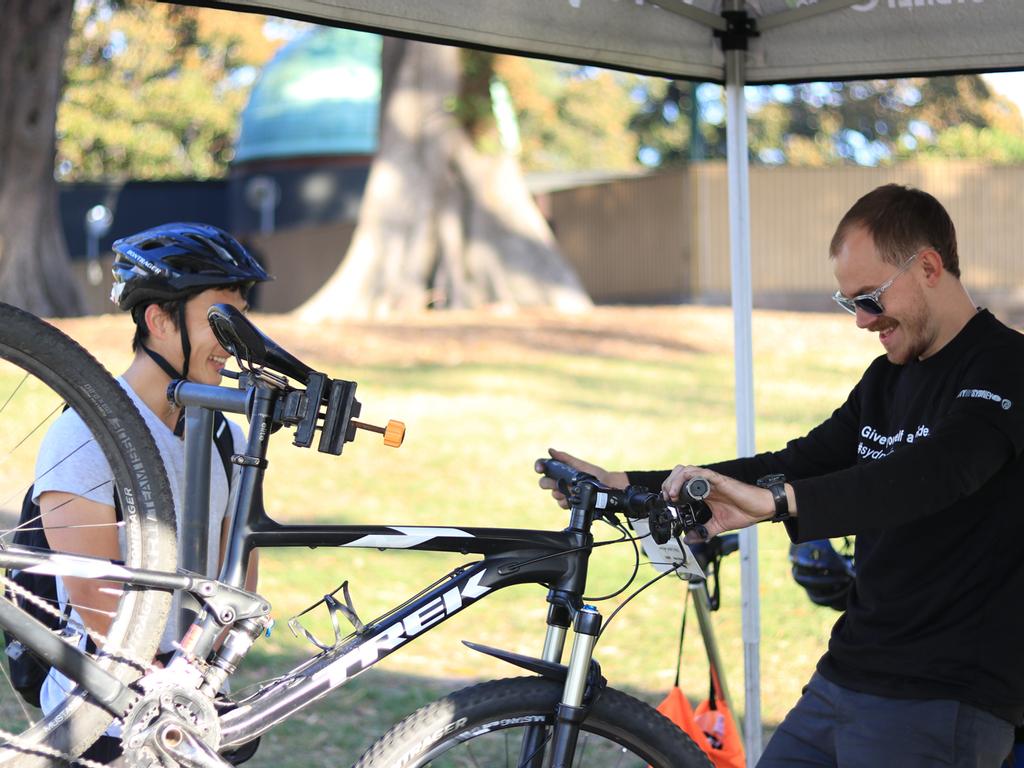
[[560, 471], [667, 519]]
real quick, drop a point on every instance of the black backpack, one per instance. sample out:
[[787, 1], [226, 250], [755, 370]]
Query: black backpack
[[28, 671]]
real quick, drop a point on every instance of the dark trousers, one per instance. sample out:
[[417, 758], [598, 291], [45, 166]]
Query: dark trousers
[[834, 726]]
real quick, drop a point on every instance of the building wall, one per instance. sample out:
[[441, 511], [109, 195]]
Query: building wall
[[301, 261], [628, 240], [666, 235], [658, 238]]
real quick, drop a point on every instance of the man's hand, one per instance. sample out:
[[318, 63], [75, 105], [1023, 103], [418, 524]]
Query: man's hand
[[611, 479], [734, 505]]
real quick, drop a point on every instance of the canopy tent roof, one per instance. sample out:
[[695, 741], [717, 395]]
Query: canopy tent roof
[[797, 40]]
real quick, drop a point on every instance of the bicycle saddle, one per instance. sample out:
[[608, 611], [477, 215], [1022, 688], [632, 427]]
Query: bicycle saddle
[[241, 338]]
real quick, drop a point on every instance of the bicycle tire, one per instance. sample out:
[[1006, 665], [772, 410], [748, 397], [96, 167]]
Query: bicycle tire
[[39, 360], [619, 730]]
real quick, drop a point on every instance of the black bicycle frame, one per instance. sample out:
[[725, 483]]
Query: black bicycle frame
[[511, 556]]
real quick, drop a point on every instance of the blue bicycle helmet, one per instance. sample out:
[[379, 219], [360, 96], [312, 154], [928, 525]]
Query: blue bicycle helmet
[[825, 573], [174, 261], [177, 261]]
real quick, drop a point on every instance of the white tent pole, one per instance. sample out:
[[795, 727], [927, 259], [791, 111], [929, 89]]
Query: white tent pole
[[742, 307]]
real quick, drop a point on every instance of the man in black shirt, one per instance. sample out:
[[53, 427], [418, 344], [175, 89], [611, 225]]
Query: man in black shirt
[[924, 463]]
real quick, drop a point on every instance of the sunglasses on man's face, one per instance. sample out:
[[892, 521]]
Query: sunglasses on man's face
[[871, 302]]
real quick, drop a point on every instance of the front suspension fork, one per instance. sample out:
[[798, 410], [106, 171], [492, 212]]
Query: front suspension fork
[[572, 710], [531, 753]]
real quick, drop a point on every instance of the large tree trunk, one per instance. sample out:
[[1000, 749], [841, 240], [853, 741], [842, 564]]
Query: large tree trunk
[[441, 224], [34, 269]]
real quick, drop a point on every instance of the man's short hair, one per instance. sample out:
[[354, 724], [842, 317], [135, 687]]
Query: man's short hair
[[172, 308], [139, 316], [901, 221]]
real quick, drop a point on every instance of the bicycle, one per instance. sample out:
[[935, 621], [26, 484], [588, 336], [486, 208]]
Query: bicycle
[[564, 714]]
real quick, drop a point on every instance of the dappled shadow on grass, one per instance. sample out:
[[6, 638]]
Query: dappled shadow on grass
[[455, 338], [635, 388]]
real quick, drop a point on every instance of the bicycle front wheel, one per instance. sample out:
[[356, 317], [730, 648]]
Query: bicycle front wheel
[[487, 724], [41, 371]]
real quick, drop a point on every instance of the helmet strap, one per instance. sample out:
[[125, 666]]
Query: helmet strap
[[161, 361], [186, 346]]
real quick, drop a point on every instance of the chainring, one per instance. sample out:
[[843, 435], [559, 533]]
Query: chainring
[[166, 700]]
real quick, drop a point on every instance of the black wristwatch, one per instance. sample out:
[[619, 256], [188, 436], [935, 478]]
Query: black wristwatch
[[777, 485]]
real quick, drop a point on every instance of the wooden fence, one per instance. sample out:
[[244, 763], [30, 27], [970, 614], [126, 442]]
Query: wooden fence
[[665, 237]]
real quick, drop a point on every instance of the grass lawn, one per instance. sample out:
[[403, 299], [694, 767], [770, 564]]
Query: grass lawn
[[482, 396]]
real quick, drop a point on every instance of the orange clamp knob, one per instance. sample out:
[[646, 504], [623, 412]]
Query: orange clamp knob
[[394, 434]]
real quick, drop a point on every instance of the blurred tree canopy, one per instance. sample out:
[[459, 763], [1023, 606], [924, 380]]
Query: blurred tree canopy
[[862, 122], [154, 91], [572, 117]]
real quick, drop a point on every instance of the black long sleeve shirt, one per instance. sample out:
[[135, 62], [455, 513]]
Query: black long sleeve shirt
[[924, 462]]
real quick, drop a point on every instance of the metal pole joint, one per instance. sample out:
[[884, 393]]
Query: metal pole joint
[[740, 27]]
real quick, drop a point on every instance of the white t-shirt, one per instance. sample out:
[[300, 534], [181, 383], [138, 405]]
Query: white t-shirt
[[69, 460]]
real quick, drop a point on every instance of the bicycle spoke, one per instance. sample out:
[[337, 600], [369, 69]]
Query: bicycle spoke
[[35, 429], [13, 393], [62, 527], [548, 734], [28, 717], [581, 747], [26, 526], [15, 494], [472, 757]]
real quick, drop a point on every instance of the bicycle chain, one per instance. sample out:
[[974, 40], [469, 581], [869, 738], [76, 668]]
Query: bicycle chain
[[14, 741], [17, 742], [117, 654]]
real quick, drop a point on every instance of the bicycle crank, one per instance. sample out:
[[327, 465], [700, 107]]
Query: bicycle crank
[[172, 726]]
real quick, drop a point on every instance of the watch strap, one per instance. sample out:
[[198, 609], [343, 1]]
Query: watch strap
[[777, 485]]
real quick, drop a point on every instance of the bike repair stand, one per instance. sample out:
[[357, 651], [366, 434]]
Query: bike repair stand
[[702, 605], [194, 532]]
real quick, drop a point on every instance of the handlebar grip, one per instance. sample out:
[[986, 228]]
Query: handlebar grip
[[558, 470], [697, 488]]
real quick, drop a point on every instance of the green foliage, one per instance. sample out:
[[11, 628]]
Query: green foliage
[[995, 145], [664, 123], [881, 121], [575, 117], [871, 122], [154, 91], [571, 117]]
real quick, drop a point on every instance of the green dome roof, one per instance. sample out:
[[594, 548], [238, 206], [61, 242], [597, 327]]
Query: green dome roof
[[320, 95]]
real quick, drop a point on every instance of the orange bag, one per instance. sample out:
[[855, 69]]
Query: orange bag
[[711, 725], [713, 730], [676, 707], [715, 720]]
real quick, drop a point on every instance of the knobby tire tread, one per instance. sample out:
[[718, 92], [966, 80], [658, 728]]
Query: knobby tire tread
[[149, 524], [632, 722]]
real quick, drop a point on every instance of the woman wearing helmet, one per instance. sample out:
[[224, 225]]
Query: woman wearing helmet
[[167, 277]]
